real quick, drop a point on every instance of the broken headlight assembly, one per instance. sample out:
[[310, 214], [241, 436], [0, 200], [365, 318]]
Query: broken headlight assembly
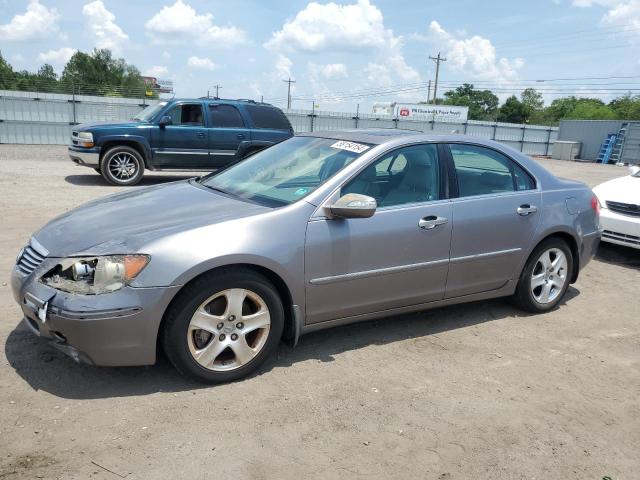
[[95, 275]]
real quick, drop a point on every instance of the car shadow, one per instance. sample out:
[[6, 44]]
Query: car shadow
[[96, 180], [619, 255], [45, 368]]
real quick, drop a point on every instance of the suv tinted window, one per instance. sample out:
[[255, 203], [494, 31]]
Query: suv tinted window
[[482, 171], [407, 175], [186, 114], [225, 116], [268, 117]]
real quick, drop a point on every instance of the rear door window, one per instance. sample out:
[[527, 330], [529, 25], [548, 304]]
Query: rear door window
[[268, 117], [483, 171], [225, 116]]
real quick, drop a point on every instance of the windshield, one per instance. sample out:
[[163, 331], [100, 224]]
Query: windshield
[[286, 172], [150, 112]]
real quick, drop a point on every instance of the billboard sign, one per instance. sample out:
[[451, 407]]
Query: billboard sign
[[413, 111], [158, 85]]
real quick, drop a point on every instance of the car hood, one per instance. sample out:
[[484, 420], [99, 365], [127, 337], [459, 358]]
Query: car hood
[[99, 125], [125, 222], [624, 190]]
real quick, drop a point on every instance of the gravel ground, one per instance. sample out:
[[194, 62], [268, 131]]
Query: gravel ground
[[473, 391]]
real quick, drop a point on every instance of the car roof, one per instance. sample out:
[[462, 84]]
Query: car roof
[[379, 136], [244, 101]]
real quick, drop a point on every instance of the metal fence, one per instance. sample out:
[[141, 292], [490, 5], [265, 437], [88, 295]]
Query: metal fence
[[47, 118], [530, 139]]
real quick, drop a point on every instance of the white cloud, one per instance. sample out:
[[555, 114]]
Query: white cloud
[[37, 22], [621, 13], [180, 23], [332, 26], [57, 57], [330, 71], [474, 56], [392, 70], [203, 63], [156, 71], [283, 66], [102, 24]]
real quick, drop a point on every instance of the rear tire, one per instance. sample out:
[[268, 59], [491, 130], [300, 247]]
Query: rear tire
[[545, 277], [122, 166], [242, 320]]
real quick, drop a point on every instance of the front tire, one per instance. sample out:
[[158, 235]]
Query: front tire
[[122, 166], [223, 326], [545, 277]]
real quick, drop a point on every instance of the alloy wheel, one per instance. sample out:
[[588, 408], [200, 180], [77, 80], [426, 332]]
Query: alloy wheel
[[123, 166], [549, 276], [228, 329]]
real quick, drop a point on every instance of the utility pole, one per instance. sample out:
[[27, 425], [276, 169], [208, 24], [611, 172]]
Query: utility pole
[[437, 59], [428, 92], [289, 82], [217, 87]]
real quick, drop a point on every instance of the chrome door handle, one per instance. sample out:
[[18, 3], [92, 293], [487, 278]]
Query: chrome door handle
[[200, 134], [240, 135], [526, 209], [430, 222]]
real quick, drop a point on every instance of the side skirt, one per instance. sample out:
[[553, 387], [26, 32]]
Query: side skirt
[[504, 291]]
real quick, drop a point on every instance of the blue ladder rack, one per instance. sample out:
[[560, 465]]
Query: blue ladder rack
[[606, 148]]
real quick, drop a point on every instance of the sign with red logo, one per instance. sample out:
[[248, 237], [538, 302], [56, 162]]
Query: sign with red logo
[[404, 112]]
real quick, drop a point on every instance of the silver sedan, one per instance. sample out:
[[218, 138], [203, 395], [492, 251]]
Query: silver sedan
[[321, 230]]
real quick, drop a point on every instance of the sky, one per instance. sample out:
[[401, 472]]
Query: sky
[[345, 54]]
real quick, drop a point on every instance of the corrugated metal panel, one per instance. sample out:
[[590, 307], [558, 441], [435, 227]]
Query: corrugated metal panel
[[591, 133], [30, 117], [631, 149]]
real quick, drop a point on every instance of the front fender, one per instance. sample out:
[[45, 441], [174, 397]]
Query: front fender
[[140, 140]]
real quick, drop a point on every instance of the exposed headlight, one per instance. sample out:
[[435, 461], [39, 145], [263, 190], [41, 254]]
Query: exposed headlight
[[95, 275], [85, 139]]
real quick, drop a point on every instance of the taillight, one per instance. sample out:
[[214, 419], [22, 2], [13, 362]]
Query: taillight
[[595, 204]]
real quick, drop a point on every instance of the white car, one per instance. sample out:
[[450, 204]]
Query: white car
[[620, 214]]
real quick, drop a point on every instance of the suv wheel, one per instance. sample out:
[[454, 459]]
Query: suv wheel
[[223, 326], [546, 276], [122, 166]]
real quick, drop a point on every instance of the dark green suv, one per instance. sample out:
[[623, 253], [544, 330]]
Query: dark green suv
[[200, 134]]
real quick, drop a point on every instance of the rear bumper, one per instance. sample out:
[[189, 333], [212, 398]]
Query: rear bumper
[[620, 229], [589, 247], [87, 157], [115, 329]]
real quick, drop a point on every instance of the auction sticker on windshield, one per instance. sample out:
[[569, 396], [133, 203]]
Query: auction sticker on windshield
[[350, 146]]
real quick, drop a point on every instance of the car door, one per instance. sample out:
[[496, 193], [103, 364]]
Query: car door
[[184, 142], [495, 216], [227, 130], [397, 257]]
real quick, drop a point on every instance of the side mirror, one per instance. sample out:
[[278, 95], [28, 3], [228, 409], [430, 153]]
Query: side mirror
[[634, 171], [354, 205], [164, 121]]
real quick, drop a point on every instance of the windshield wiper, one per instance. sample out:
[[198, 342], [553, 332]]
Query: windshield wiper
[[217, 189]]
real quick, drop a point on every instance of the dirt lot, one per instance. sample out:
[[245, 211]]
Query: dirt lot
[[475, 391]]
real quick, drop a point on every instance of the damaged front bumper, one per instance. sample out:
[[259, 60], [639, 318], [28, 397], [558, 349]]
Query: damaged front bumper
[[113, 329]]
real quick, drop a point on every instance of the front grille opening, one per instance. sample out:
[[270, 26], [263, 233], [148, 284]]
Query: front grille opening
[[624, 208]]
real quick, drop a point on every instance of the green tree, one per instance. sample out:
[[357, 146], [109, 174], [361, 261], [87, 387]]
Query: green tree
[[98, 73], [7, 75], [482, 104], [626, 107], [532, 101], [512, 111]]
